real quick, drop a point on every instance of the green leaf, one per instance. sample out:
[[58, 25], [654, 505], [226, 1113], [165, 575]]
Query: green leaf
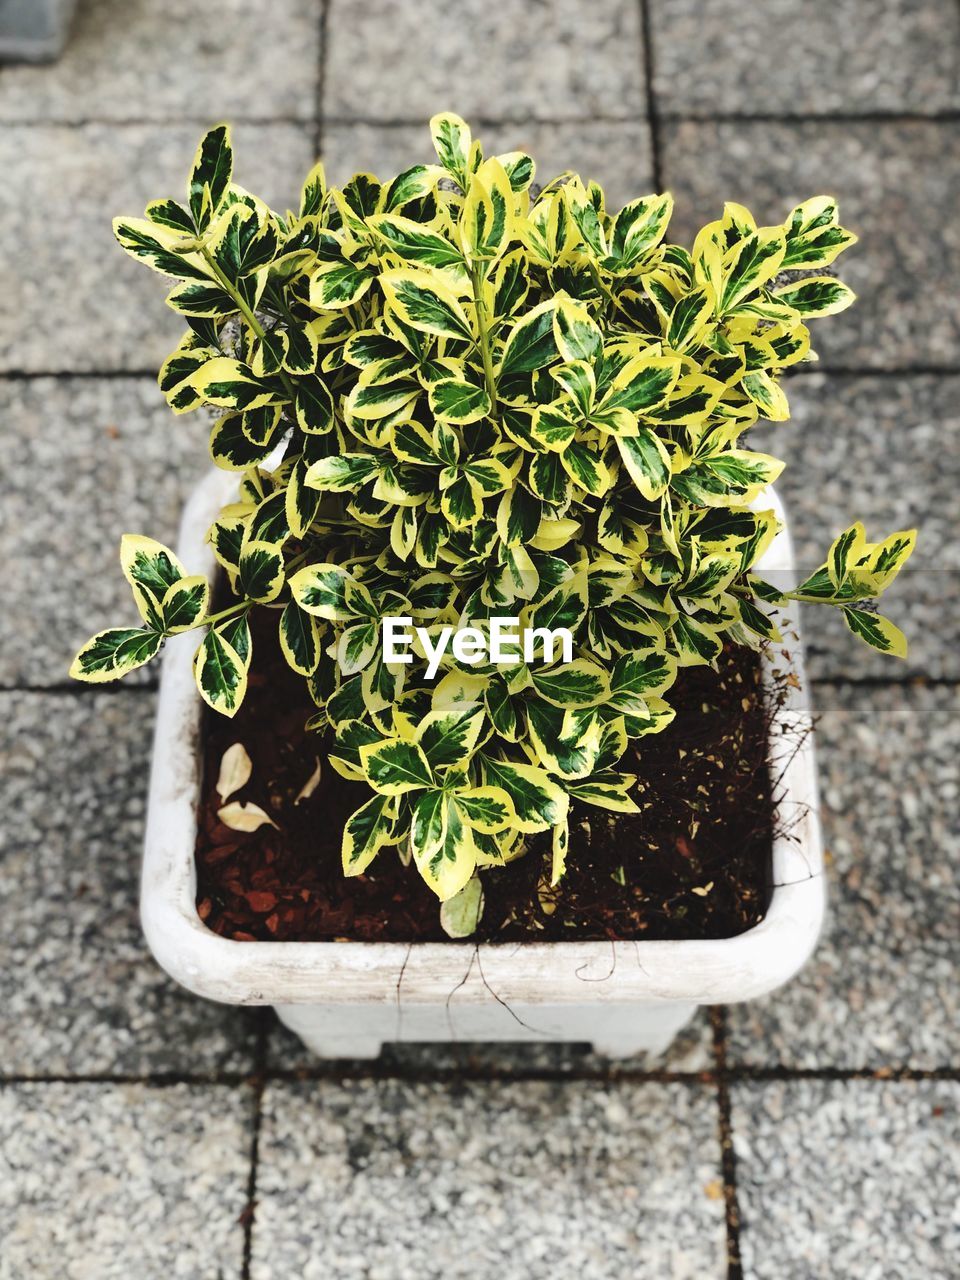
[[338, 285], [185, 604], [314, 406], [531, 343], [878, 632], [637, 228], [848, 544], [539, 802], [486, 217], [220, 673], [426, 303], [231, 385], [366, 832], [767, 394], [689, 316], [696, 643], [449, 736], [518, 516], [607, 790], [642, 383], [300, 639], [813, 236], [149, 564], [817, 296], [210, 176], [411, 184], [456, 400], [754, 261], [428, 826], [580, 683], [395, 767], [261, 572], [313, 192], [111, 654], [635, 676], [451, 140], [231, 448], [647, 462], [486, 809], [329, 591], [158, 249], [342, 473], [419, 245]]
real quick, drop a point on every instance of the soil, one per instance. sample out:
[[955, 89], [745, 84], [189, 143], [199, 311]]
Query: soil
[[694, 863]]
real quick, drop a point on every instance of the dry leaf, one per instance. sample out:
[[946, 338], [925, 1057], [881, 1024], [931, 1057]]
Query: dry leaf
[[310, 786], [460, 915], [235, 771], [244, 817]]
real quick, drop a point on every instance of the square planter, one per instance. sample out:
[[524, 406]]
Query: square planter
[[345, 999]]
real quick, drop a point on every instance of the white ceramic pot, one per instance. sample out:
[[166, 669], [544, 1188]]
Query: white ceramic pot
[[345, 999]]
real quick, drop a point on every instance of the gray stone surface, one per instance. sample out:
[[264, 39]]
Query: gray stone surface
[[389, 1180], [852, 1179], [809, 59], [135, 60], [568, 59], [82, 995], [896, 184], [72, 299], [105, 1182], [616, 153], [885, 451], [90, 460], [691, 1051], [881, 989]]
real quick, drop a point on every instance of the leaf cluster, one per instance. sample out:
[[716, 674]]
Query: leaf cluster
[[450, 397]]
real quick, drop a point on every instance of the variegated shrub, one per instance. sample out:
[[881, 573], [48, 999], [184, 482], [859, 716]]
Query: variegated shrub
[[448, 398]]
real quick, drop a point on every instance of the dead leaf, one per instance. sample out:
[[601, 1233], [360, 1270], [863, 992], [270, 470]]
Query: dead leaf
[[244, 817], [235, 771], [310, 786], [460, 915]]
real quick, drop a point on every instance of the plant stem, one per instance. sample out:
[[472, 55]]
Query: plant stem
[[250, 316], [477, 281], [606, 292], [225, 613]]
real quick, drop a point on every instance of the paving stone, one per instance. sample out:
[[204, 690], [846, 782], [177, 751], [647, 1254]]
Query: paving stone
[[131, 59], [508, 61], [881, 989], [616, 153], [82, 995], [105, 1182], [391, 1180], [886, 451], [897, 190], [72, 298], [691, 1051], [813, 59], [853, 1178], [91, 459]]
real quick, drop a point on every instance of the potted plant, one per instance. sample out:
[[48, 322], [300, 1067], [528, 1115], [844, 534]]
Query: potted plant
[[503, 620]]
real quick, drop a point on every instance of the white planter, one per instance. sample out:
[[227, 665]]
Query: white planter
[[345, 999]]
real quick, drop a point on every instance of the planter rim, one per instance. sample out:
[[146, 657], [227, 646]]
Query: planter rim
[[700, 971]]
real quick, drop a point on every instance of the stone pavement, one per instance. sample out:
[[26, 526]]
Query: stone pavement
[[813, 1134]]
